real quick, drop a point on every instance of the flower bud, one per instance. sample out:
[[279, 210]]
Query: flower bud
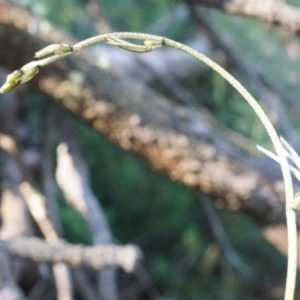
[[12, 80], [28, 73], [25, 74], [54, 48]]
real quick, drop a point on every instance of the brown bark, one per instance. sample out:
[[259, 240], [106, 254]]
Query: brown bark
[[176, 140], [271, 11]]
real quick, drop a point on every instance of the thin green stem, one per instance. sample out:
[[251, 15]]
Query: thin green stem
[[290, 212], [152, 42]]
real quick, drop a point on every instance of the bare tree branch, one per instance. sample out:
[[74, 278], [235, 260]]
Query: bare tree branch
[[36, 203], [97, 257], [271, 11], [72, 176]]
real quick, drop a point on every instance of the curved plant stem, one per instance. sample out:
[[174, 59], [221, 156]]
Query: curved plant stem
[[152, 42]]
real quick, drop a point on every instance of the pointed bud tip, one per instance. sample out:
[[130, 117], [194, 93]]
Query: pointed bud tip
[[6, 87]]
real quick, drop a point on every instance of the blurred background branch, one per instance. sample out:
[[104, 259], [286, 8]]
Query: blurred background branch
[[272, 11], [183, 130]]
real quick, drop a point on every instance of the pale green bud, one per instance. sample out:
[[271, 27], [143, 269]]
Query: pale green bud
[[29, 71], [54, 48], [12, 80], [14, 76], [148, 44], [25, 74]]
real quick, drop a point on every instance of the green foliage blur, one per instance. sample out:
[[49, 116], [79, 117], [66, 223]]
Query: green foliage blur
[[144, 206]]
